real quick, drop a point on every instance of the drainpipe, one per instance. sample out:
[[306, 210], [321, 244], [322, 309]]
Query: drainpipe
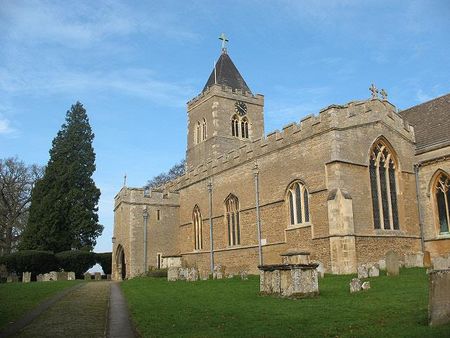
[[416, 171], [258, 216], [145, 214], [211, 226]]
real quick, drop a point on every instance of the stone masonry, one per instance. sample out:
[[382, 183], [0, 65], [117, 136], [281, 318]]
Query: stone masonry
[[328, 153]]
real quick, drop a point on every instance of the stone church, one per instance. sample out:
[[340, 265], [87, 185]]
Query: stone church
[[346, 185]]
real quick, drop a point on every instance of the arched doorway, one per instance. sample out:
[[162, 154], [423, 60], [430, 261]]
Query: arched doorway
[[121, 263]]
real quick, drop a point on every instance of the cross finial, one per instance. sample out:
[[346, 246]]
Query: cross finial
[[374, 91], [224, 42], [125, 180], [383, 94]]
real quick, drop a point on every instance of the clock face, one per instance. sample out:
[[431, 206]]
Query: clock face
[[240, 108]]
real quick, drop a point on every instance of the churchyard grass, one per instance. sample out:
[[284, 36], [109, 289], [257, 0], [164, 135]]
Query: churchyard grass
[[393, 307], [18, 298]]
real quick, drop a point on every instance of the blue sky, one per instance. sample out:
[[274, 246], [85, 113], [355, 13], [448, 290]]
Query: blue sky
[[135, 64]]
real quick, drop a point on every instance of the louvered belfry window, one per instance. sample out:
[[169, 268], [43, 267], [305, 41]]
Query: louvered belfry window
[[382, 170], [442, 191]]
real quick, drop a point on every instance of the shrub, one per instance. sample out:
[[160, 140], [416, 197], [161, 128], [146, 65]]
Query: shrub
[[158, 273], [33, 261], [105, 260], [76, 261]]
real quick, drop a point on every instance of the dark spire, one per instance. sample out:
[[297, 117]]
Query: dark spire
[[226, 73]]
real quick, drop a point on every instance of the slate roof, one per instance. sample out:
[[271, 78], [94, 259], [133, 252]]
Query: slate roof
[[227, 74], [431, 122]]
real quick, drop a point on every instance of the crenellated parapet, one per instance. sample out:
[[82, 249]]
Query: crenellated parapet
[[333, 117], [141, 196], [224, 91]]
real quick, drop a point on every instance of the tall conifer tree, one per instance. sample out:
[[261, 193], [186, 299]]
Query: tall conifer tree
[[63, 212]]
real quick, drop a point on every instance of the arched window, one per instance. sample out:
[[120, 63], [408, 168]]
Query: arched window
[[244, 128], [204, 130], [298, 203], [232, 216], [197, 133], [442, 196], [235, 126], [383, 185], [197, 221]]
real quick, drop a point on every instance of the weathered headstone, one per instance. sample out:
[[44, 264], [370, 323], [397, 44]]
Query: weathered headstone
[[71, 275], [172, 274], [365, 286], [50, 276], [363, 271], [392, 263], [98, 276], [108, 277], [440, 263], [374, 271], [26, 277], [243, 274], [219, 272], [12, 278], [355, 285], [439, 297], [87, 276], [192, 275], [413, 260], [62, 275], [426, 259], [40, 278], [382, 264]]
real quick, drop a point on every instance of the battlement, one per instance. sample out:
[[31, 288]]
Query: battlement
[[333, 117], [145, 196], [224, 90]]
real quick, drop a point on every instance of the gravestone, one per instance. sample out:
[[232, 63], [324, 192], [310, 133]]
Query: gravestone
[[12, 278], [440, 263], [355, 285], [413, 260], [62, 275], [382, 264], [87, 276], [374, 271], [439, 297], [426, 259], [392, 263], [363, 272], [172, 274], [98, 276], [40, 278], [50, 276], [108, 277], [71, 276], [192, 275], [26, 277], [219, 272], [244, 274], [365, 286]]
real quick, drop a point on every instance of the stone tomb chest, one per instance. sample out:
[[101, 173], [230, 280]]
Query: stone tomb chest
[[289, 280]]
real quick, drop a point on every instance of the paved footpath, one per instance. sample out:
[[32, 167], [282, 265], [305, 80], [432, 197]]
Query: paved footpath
[[92, 309]]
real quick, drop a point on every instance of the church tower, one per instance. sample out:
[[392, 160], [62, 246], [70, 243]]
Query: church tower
[[225, 116]]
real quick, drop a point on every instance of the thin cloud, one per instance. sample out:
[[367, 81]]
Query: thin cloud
[[5, 127]]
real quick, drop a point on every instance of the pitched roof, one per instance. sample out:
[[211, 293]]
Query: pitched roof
[[226, 74], [431, 122]]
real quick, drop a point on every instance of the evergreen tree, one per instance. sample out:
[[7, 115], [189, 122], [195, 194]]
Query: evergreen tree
[[63, 212]]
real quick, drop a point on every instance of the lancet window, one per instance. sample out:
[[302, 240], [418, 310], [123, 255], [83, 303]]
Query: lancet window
[[197, 133], [235, 126], [298, 203], [232, 219], [244, 128], [442, 196], [204, 130], [197, 221], [382, 169]]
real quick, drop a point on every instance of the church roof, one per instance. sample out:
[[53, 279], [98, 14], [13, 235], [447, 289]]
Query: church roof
[[431, 122], [227, 74]]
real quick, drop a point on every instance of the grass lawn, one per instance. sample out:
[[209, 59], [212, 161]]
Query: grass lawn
[[18, 298], [393, 307]]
